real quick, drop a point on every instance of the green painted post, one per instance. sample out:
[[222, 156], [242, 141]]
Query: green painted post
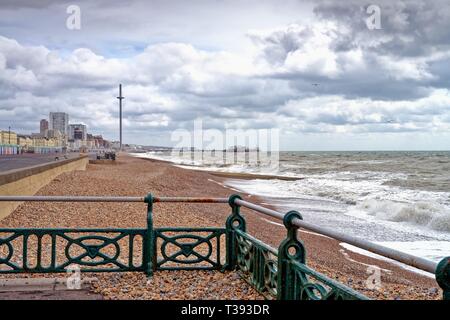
[[290, 249], [234, 222], [443, 277], [149, 243]]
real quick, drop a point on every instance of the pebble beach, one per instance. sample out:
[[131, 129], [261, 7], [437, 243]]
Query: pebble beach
[[131, 176]]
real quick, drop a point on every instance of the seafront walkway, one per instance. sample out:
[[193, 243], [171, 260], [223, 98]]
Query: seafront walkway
[[132, 177], [20, 161]]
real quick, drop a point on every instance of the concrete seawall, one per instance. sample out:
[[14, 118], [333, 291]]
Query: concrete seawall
[[28, 181]]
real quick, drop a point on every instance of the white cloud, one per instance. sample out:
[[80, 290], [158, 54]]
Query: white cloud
[[337, 114], [367, 82]]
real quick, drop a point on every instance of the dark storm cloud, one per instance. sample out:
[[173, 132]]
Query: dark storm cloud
[[399, 61], [410, 27]]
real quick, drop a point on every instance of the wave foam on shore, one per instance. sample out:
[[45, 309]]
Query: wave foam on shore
[[354, 202]]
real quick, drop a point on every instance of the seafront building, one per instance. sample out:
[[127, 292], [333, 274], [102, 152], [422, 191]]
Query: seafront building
[[77, 132], [45, 145], [8, 142], [43, 127], [13, 143], [97, 142], [8, 137], [55, 135], [59, 121], [25, 143], [77, 136]]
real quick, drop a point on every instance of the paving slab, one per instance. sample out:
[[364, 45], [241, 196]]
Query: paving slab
[[45, 289]]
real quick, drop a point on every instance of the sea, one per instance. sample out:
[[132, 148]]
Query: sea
[[400, 199]]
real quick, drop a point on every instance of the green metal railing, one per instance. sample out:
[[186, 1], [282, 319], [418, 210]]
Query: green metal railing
[[277, 273], [59, 259]]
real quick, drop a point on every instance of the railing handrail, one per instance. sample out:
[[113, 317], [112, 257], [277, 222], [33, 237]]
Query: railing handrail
[[110, 199], [408, 259]]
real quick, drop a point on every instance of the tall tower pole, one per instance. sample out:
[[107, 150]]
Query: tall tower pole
[[120, 113]]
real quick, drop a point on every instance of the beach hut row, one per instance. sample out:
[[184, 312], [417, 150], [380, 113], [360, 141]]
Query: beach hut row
[[9, 149], [45, 150]]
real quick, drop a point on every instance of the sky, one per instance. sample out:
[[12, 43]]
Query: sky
[[323, 73]]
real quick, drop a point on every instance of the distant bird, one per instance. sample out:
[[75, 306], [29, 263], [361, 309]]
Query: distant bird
[[315, 84], [390, 121]]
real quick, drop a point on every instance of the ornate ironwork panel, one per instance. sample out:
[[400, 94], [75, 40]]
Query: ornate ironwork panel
[[312, 285], [283, 273], [189, 248], [54, 250], [258, 263]]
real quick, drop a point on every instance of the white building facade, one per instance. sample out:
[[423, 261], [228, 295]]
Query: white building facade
[[59, 121]]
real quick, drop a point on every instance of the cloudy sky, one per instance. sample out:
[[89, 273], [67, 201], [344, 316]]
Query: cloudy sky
[[313, 70]]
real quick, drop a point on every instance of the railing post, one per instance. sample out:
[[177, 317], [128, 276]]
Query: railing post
[[234, 222], [290, 249], [149, 243], [443, 277]]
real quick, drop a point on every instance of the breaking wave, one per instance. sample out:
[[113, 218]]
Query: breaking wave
[[431, 215]]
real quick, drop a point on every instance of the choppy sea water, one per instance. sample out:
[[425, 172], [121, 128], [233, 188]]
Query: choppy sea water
[[399, 199]]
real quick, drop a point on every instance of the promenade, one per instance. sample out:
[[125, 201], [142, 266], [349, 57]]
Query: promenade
[[18, 161]]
